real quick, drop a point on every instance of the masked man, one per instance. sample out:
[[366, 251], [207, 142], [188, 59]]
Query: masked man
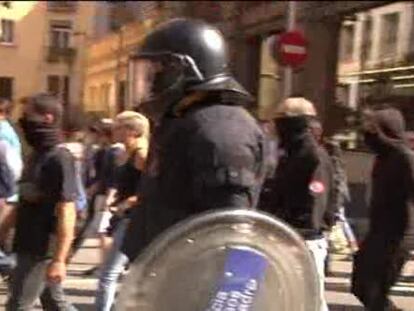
[[45, 216], [384, 250], [207, 150], [301, 190]]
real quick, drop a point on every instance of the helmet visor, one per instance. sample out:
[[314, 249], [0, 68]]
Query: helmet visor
[[153, 77]]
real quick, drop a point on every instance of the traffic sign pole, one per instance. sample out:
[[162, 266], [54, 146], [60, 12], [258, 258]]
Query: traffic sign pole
[[288, 71]]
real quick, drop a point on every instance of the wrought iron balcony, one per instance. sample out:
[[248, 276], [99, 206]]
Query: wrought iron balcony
[[59, 54], [62, 6]]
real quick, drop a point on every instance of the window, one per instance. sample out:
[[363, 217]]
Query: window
[[114, 25], [66, 90], [342, 94], [61, 6], [120, 14], [122, 96], [147, 9], [60, 32], [92, 96], [59, 86], [104, 95], [389, 32], [347, 50], [6, 87], [7, 31], [53, 85], [367, 38]]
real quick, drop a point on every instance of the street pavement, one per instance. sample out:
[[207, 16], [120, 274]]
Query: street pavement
[[81, 290]]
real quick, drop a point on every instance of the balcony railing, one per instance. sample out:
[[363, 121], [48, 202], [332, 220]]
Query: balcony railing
[[58, 54], [62, 6]]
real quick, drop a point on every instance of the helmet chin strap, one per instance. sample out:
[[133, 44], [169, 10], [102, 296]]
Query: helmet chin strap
[[188, 101]]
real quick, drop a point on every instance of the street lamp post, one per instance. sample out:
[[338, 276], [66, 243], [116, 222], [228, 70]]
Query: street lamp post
[[288, 71]]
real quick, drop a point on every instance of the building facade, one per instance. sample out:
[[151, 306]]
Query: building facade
[[42, 48], [253, 27], [250, 28], [106, 91], [119, 30], [377, 55], [258, 27]]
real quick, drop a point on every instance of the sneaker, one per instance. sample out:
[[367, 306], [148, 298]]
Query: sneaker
[[354, 247]]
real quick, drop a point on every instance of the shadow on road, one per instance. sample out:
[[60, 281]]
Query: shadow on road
[[80, 263], [343, 288], [80, 273], [407, 279], [339, 288], [339, 274], [337, 307], [80, 292], [85, 307]]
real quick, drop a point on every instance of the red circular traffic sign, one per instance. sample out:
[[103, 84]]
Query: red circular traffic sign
[[291, 49]]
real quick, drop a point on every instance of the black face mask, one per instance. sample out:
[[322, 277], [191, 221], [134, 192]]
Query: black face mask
[[375, 142], [291, 129], [39, 134]]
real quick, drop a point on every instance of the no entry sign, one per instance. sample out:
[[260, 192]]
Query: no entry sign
[[291, 49]]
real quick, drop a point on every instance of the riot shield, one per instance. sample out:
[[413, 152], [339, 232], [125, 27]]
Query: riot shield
[[232, 260]]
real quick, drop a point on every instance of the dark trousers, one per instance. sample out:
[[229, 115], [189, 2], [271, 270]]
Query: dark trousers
[[29, 283], [377, 266]]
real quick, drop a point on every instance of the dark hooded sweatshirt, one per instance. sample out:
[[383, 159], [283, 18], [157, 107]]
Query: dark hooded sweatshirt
[[301, 191], [391, 206], [384, 251]]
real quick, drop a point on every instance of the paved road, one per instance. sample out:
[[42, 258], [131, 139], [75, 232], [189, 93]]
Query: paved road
[[81, 290]]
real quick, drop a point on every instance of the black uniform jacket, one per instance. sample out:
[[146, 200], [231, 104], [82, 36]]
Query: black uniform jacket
[[211, 157], [300, 193]]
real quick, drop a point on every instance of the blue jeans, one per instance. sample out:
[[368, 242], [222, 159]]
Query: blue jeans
[[346, 227], [112, 268], [7, 263]]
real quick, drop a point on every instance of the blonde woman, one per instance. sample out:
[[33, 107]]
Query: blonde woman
[[131, 129]]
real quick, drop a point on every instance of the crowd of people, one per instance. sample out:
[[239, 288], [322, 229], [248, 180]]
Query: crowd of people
[[78, 180], [195, 148]]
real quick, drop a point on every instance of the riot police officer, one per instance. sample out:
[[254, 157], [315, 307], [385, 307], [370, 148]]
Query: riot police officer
[[207, 150]]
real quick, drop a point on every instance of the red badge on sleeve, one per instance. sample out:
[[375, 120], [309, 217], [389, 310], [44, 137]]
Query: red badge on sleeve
[[317, 186]]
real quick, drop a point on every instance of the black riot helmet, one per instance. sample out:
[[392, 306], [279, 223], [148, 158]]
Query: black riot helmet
[[177, 58]]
